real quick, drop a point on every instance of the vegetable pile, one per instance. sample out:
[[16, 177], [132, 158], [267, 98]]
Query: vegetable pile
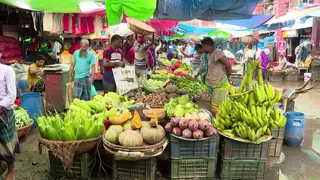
[[162, 75], [83, 120], [151, 85], [251, 112], [195, 126], [112, 99], [180, 106], [191, 85], [22, 117], [135, 133]]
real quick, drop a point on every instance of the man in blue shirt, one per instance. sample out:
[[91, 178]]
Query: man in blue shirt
[[171, 50], [83, 63]]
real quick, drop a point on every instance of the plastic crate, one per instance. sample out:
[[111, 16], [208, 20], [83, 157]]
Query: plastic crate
[[182, 149], [231, 149], [291, 77], [137, 170], [189, 169], [81, 167], [241, 169], [275, 147], [278, 132], [275, 78]]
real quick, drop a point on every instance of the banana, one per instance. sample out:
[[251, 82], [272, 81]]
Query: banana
[[271, 89], [276, 98], [264, 129], [258, 94], [253, 111], [267, 90], [268, 131], [261, 123], [258, 112], [246, 99], [276, 114], [263, 93]]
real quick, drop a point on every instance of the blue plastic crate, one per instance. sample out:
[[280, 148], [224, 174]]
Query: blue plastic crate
[[183, 149]]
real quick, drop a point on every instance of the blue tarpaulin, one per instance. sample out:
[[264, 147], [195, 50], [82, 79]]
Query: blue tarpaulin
[[254, 22], [208, 10]]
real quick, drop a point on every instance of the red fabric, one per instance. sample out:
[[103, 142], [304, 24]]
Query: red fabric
[[110, 55], [90, 21], [3, 45], [83, 25], [11, 60], [13, 46], [150, 57], [66, 22], [75, 46], [8, 39], [131, 55], [33, 46], [74, 24], [9, 53]]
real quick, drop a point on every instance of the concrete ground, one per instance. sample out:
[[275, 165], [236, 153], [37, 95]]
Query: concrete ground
[[299, 163]]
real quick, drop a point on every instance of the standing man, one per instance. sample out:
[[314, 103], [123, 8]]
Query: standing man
[[9, 143], [219, 73], [196, 59], [83, 63], [141, 62], [112, 58]]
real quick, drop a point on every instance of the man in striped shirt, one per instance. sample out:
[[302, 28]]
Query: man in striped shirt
[[196, 59]]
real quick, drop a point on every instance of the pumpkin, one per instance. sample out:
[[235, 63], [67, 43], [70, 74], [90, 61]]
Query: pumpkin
[[112, 136], [117, 128], [152, 135], [121, 119], [154, 122], [136, 121], [149, 113], [130, 138]]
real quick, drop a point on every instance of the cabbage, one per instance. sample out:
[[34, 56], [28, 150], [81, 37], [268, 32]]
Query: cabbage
[[179, 113], [189, 105], [183, 100]]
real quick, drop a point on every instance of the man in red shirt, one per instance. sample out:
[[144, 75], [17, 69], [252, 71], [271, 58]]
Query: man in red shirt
[[112, 58], [75, 46]]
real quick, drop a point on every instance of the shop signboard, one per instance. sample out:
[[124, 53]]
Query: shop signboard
[[282, 46]]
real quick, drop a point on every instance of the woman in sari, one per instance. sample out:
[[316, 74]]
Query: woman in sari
[[9, 143], [264, 62]]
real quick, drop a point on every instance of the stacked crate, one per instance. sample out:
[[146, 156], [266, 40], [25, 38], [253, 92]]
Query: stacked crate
[[275, 146], [194, 159], [291, 77], [239, 160], [81, 167]]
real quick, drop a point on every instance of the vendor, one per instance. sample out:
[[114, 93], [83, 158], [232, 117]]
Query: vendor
[[112, 58], [264, 62], [141, 62], [35, 75], [219, 76], [282, 61], [196, 59], [9, 143], [83, 63]]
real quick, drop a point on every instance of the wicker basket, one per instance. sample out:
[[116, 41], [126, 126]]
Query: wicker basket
[[156, 37], [250, 40], [83, 146], [139, 27], [135, 153], [24, 130]]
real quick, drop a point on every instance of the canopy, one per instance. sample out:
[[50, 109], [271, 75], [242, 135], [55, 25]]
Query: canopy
[[295, 14], [207, 10], [314, 13], [253, 22], [219, 34]]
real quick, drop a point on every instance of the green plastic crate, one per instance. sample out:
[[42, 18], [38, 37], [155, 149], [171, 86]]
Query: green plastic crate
[[275, 147], [231, 149], [81, 167], [135, 170], [241, 169], [183, 149], [189, 169]]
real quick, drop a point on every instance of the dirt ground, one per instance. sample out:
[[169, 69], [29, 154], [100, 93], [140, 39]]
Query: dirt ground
[[299, 163]]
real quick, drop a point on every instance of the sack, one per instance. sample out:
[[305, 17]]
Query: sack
[[125, 79], [9, 53], [69, 94]]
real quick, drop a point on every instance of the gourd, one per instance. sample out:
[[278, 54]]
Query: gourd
[[136, 121], [112, 136], [152, 135], [149, 113], [154, 122], [130, 138], [117, 128], [121, 119]]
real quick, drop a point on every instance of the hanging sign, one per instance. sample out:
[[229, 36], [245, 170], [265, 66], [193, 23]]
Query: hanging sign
[[282, 46]]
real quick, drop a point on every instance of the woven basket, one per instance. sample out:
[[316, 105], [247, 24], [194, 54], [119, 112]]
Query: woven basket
[[24, 130], [156, 37], [139, 27], [250, 40], [82, 146], [135, 153]]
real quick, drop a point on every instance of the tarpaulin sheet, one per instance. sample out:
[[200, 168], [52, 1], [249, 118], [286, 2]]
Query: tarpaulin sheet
[[253, 22], [138, 9], [185, 10], [163, 27]]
